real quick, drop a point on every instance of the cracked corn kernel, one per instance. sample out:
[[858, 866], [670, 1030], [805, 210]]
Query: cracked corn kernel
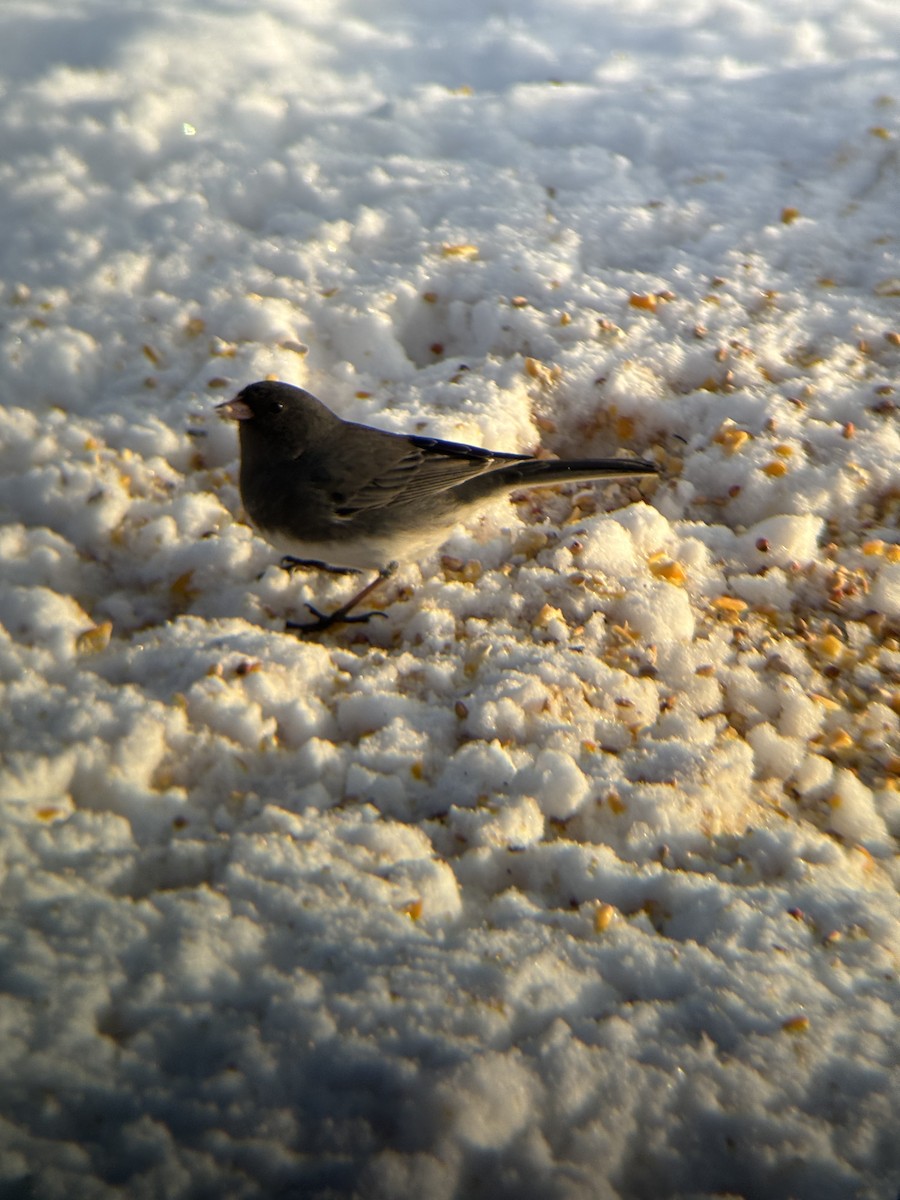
[[94, 639], [544, 374], [50, 812], [546, 616], [775, 469], [671, 572], [830, 646], [643, 300], [795, 1025], [603, 916], [729, 604], [459, 250], [731, 439]]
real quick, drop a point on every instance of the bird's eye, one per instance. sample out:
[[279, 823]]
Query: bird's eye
[[276, 407]]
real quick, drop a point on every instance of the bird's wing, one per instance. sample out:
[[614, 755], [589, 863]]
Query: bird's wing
[[410, 467]]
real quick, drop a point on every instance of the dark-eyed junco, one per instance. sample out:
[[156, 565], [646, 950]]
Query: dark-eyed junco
[[335, 494]]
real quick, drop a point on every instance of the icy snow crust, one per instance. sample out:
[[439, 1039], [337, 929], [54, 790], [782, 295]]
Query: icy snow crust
[[575, 876]]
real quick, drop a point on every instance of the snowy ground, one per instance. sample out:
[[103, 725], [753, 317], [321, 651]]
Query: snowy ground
[[576, 876]]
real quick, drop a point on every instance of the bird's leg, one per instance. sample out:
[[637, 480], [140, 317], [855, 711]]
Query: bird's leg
[[340, 615], [289, 563]]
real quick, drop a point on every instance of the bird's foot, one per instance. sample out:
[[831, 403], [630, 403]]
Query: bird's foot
[[290, 564], [340, 616]]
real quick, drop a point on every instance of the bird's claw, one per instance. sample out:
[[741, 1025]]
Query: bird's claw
[[289, 563], [326, 620]]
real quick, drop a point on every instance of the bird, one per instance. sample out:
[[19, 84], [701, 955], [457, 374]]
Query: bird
[[348, 497]]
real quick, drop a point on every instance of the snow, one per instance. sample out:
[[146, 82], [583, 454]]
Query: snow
[[575, 875]]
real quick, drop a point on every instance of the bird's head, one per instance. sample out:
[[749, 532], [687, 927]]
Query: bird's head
[[277, 415]]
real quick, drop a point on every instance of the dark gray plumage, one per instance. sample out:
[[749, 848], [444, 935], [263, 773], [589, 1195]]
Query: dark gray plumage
[[338, 494]]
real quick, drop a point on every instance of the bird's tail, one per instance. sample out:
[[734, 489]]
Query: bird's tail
[[542, 472]]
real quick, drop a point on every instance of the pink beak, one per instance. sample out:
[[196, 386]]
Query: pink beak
[[234, 410]]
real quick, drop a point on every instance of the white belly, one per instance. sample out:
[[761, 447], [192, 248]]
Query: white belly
[[371, 553]]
